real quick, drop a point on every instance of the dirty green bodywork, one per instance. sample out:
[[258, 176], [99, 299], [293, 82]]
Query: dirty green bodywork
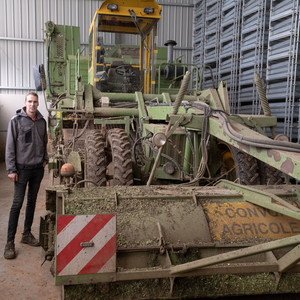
[[64, 62], [192, 261], [195, 252], [73, 99]]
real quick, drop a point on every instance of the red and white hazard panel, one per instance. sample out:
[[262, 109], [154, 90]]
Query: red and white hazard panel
[[86, 244]]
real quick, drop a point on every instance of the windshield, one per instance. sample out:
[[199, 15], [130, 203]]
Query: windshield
[[123, 48]]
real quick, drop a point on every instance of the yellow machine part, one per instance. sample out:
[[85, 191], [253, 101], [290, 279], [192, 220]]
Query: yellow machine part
[[130, 17], [228, 160], [232, 221], [120, 19]]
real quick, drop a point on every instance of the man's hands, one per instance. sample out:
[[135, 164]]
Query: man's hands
[[13, 177]]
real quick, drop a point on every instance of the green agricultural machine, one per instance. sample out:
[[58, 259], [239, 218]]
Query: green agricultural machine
[[156, 189]]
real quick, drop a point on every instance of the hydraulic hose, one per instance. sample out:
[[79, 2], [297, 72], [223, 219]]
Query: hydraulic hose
[[269, 144], [203, 143], [234, 135]]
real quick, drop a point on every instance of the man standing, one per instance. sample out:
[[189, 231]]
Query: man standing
[[26, 157]]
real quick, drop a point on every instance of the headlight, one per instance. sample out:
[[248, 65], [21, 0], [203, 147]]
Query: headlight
[[149, 10], [159, 139], [112, 6]]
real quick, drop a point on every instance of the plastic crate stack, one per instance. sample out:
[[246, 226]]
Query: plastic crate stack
[[199, 31], [283, 70], [212, 12], [253, 53], [229, 48]]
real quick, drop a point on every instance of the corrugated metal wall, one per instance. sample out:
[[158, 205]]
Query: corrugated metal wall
[[177, 24], [21, 33]]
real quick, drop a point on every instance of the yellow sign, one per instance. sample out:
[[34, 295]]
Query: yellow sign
[[243, 220]]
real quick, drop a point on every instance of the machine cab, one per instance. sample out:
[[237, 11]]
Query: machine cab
[[122, 46]]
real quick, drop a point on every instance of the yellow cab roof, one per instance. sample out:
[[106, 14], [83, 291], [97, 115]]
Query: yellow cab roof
[[120, 20]]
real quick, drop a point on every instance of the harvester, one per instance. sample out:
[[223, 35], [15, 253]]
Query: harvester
[[156, 189]]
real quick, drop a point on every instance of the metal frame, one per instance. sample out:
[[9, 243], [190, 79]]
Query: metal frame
[[223, 263]]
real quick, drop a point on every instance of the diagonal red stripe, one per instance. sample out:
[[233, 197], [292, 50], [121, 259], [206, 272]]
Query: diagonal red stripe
[[101, 258], [63, 221], [85, 235]]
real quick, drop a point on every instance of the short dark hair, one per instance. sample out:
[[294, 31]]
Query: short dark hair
[[32, 94]]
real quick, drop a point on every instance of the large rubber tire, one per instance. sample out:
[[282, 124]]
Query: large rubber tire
[[119, 167], [95, 167], [269, 175], [246, 167]]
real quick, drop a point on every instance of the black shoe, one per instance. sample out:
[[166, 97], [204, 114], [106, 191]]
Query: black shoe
[[30, 240], [10, 252]]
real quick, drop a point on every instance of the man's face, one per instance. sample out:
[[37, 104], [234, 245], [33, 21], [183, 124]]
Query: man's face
[[31, 104]]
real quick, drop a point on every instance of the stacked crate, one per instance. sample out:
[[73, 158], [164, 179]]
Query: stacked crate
[[199, 31], [244, 37], [211, 42], [283, 70], [253, 53], [229, 47]]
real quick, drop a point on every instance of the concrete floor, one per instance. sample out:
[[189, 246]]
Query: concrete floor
[[24, 277]]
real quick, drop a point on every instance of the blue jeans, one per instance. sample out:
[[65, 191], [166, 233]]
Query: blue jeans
[[33, 178]]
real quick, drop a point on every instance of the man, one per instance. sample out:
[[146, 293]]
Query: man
[[26, 157]]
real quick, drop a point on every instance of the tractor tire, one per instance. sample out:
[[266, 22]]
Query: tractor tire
[[246, 167], [119, 167], [95, 167], [269, 175]]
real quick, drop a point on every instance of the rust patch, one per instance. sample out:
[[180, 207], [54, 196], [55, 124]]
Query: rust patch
[[287, 166], [245, 147], [275, 154], [258, 149], [224, 133]]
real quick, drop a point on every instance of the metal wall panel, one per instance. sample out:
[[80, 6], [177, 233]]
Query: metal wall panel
[[177, 24], [21, 33]]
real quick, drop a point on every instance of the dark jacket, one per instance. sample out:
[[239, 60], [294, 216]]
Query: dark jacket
[[26, 142]]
